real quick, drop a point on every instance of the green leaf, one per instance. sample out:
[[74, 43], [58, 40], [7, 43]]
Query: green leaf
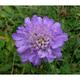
[[2, 43], [4, 68]]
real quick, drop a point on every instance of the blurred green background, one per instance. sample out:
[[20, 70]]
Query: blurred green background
[[13, 16]]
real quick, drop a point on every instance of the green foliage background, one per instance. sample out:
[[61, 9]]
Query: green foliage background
[[11, 17]]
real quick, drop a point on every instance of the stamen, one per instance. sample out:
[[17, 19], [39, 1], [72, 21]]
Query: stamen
[[42, 43]]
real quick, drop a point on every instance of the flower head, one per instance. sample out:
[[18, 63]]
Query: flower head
[[39, 39]]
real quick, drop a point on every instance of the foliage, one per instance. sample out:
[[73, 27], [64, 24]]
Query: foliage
[[11, 17]]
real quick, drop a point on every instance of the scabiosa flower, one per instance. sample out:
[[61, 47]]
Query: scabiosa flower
[[39, 39]]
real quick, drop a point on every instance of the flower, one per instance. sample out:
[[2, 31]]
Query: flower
[[39, 39]]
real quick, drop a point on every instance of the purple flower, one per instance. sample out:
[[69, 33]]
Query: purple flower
[[39, 39]]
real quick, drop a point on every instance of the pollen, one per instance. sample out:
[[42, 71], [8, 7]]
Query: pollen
[[42, 43]]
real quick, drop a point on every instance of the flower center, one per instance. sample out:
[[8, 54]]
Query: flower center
[[42, 43]]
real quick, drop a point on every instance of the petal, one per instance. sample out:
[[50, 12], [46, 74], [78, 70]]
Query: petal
[[48, 22], [25, 57], [57, 53], [28, 25], [34, 59], [41, 54], [22, 49], [21, 28], [56, 28], [18, 36], [49, 51], [31, 57], [21, 32], [57, 43], [63, 37], [36, 20], [20, 43], [27, 21], [24, 33], [59, 40], [50, 57]]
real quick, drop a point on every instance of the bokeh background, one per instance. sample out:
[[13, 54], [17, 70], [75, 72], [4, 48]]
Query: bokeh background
[[13, 16]]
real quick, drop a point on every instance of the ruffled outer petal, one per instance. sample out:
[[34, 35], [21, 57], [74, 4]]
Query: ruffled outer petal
[[24, 56], [27, 21], [21, 30], [56, 28], [57, 53], [48, 22], [36, 20], [20, 43], [34, 58], [47, 54], [22, 49], [50, 57], [18, 36], [42, 54], [58, 41]]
